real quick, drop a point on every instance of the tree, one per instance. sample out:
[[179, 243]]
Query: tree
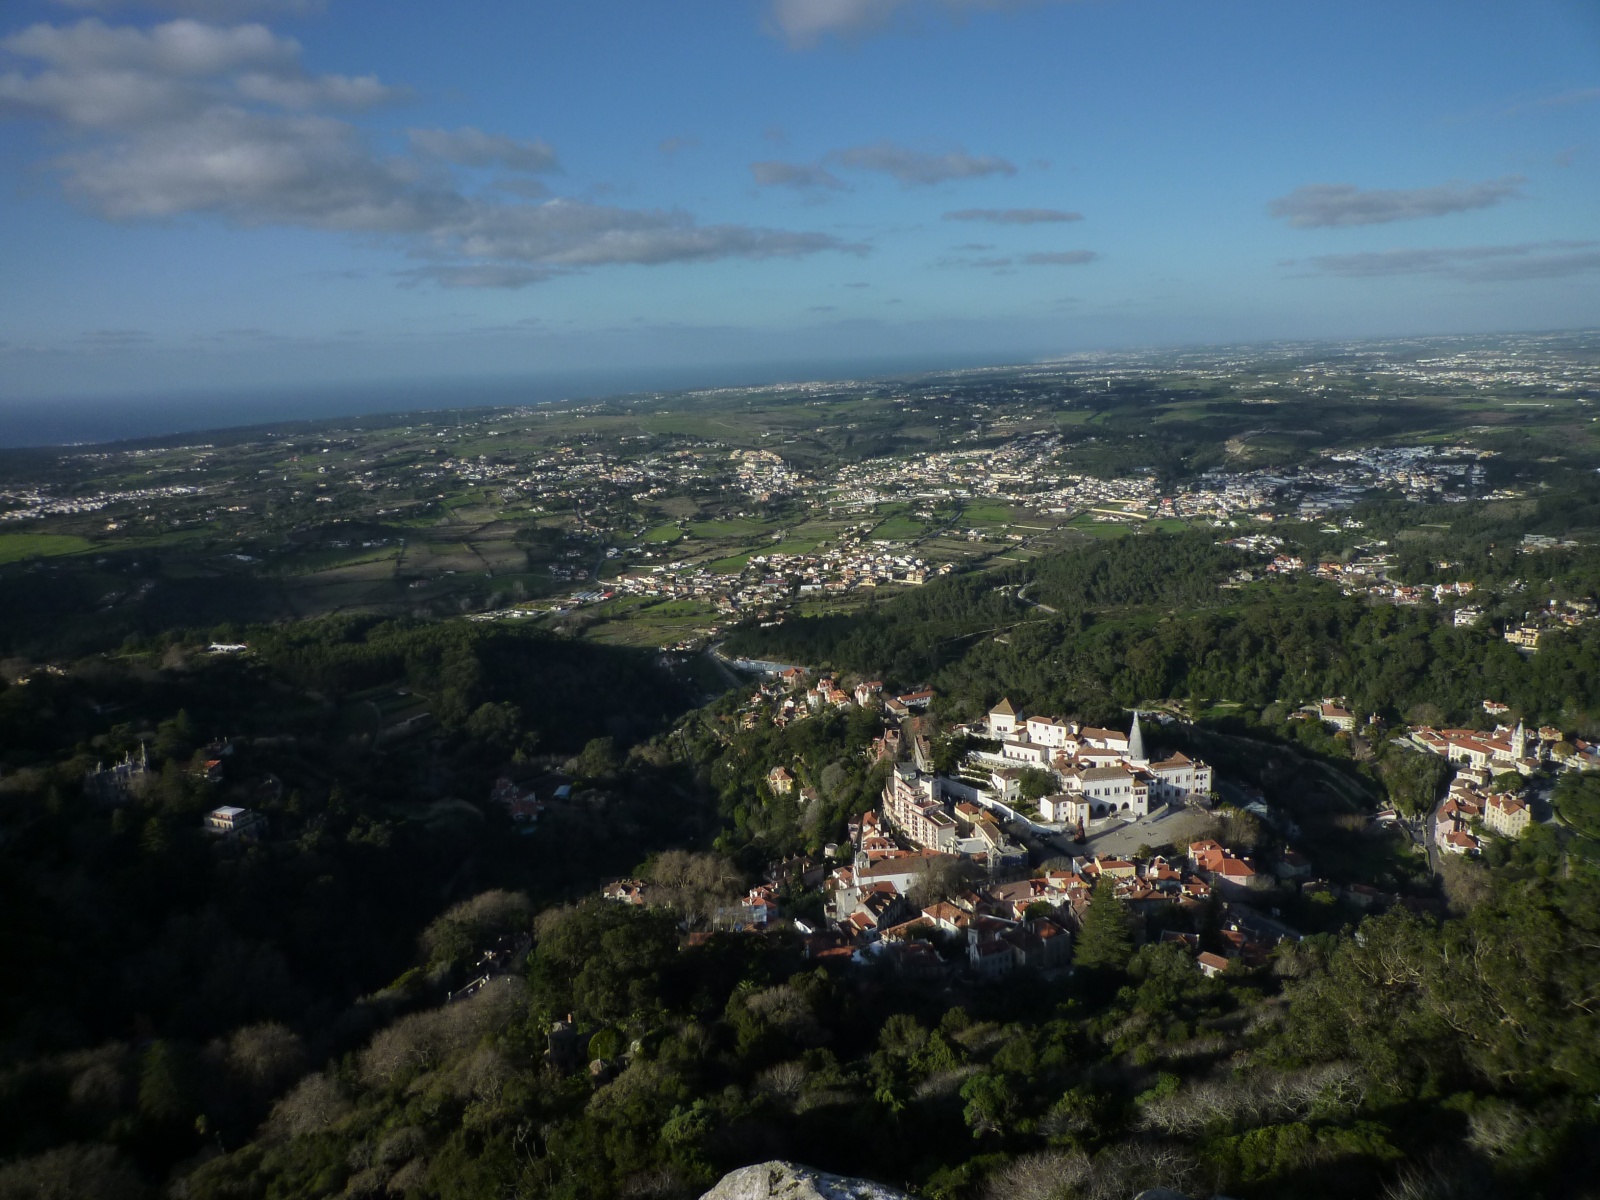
[[939, 879], [694, 885], [1104, 942], [1578, 802], [266, 1057], [599, 759], [465, 928], [1413, 779], [496, 724], [1034, 784], [165, 1092], [175, 738], [1245, 830], [992, 1102], [71, 1173], [602, 961]]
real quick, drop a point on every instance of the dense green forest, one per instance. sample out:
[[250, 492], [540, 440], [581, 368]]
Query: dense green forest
[[154, 976], [1431, 1059], [296, 1017], [1145, 619]]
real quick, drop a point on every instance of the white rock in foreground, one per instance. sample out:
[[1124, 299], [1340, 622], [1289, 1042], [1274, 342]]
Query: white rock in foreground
[[790, 1181]]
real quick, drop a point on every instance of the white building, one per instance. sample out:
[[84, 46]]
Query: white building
[[1102, 772], [1048, 731], [231, 822], [912, 805], [1178, 779], [1118, 790], [1026, 753], [1003, 722], [1506, 815]]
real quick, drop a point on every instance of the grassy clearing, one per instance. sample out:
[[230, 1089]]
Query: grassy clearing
[[733, 528], [731, 565], [801, 545], [15, 547], [312, 561], [986, 512], [1100, 529], [664, 534], [899, 529]]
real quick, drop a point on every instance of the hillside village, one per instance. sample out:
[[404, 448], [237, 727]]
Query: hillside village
[[949, 876], [936, 880]]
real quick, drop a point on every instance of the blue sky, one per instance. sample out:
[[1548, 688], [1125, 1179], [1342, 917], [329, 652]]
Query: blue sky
[[246, 194]]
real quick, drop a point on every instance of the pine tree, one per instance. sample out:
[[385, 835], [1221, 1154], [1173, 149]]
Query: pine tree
[[1104, 942]]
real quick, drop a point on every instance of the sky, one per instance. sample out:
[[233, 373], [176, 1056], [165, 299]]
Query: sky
[[220, 197]]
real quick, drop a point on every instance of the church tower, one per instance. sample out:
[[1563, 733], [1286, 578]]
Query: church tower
[[1519, 742]]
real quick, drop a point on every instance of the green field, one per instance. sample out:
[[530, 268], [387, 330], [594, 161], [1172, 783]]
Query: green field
[[986, 512], [1102, 529], [664, 533], [731, 528], [802, 545], [731, 565], [899, 529], [14, 547]]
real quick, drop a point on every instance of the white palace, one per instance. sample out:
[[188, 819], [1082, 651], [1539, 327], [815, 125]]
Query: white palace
[[1102, 772]]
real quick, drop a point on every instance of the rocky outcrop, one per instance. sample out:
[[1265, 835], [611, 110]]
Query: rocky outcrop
[[790, 1181], [778, 1180]]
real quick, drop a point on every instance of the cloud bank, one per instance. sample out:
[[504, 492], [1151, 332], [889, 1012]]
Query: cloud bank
[[1060, 258], [1477, 264], [1041, 258], [1013, 216], [469, 147], [800, 176], [1340, 205], [190, 118], [803, 23], [215, 10], [914, 168], [911, 168]]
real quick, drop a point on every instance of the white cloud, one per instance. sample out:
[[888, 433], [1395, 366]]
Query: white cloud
[[1060, 258], [570, 233], [214, 10], [1013, 216], [103, 77], [500, 276], [259, 169], [187, 118], [805, 22], [325, 91], [1042, 258], [470, 147], [1339, 205], [179, 48], [1478, 264], [914, 167], [801, 176]]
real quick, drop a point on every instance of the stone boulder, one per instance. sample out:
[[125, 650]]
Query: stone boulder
[[790, 1181]]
